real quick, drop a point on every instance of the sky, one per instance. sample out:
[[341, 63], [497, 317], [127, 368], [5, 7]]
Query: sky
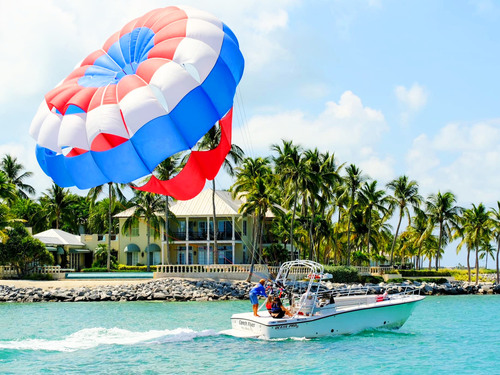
[[395, 87]]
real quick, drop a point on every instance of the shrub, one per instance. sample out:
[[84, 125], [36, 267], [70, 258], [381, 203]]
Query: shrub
[[95, 269], [364, 279], [342, 274], [138, 268], [423, 273], [39, 276], [392, 272], [23, 252]]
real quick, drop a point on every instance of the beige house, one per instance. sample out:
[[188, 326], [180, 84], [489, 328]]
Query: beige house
[[191, 240]]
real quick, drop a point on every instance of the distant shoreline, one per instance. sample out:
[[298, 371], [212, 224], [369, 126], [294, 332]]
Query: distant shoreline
[[179, 289]]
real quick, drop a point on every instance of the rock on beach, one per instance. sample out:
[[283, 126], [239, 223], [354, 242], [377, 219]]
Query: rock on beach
[[173, 289]]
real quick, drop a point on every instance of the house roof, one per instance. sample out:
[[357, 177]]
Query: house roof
[[201, 205], [59, 237]]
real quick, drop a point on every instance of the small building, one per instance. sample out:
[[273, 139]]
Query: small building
[[68, 249], [192, 234]]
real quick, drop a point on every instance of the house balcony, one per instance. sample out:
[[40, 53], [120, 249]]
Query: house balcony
[[202, 236]]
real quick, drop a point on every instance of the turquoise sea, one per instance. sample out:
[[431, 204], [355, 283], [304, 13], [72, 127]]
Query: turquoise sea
[[445, 335]]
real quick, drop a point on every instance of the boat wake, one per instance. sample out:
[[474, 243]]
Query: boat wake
[[92, 337]]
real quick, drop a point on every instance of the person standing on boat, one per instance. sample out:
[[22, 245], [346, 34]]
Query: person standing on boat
[[257, 290]]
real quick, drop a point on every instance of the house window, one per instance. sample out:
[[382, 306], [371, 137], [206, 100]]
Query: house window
[[181, 255], [133, 231], [132, 259], [154, 258], [244, 227], [152, 232]]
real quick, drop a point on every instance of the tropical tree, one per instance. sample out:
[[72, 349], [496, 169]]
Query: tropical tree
[[291, 169], [114, 192], [373, 201], [418, 232], [258, 201], [98, 220], [405, 193], [354, 180], [147, 207], [495, 231], [31, 212], [79, 210], [234, 158], [476, 229], [321, 177], [7, 189], [442, 212], [165, 171], [23, 252], [254, 184], [14, 171], [56, 203]]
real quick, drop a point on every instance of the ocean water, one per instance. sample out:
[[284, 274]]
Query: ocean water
[[445, 335]]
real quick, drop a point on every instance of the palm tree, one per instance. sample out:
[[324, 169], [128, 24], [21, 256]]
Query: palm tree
[[114, 190], [257, 202], [290, 166], [31, 212], [495, 227], [7, 189], [147, 207], [418, 233], [56, 203], [354, 180], [465, 240], [250, 177], [405, 193], [165, 171], [476, 229], [442, 212], [234, 158], [317, 186], [15, 175], [372, 200]]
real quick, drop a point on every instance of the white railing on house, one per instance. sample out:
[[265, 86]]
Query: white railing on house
[[213, 268], [52, 270], [377, 270], [7, 271], [238, 271]]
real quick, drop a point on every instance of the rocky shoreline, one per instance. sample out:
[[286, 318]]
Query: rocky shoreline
[[205, 290]]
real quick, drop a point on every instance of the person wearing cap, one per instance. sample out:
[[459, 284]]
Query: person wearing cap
[[257, 290]]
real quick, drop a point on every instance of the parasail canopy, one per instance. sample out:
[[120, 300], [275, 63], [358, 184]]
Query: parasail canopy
[[155, 88]]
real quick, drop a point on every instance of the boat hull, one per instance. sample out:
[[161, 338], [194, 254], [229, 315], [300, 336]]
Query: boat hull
[[387, 315]]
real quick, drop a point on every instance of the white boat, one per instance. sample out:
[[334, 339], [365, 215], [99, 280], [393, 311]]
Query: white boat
[[317, 311]]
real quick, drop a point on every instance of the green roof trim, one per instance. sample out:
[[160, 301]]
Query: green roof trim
[[78, 251], [153, 248], [58, 250], [132, 248]]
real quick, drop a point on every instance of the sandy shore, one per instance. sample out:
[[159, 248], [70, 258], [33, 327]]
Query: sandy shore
[[68, 284]]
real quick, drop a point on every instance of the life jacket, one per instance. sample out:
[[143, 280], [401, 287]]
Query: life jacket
[[275, 308]]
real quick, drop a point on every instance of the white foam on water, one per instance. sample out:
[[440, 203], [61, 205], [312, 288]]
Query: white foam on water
[[91, 337]]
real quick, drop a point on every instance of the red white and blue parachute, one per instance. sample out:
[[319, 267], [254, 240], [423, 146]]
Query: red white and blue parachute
[[154, 89]]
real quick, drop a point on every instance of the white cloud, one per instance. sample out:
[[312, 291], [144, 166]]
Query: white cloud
[[380, 169], [460, 157], [411, 100], [347, 128], [314, 90], [267, 22]]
